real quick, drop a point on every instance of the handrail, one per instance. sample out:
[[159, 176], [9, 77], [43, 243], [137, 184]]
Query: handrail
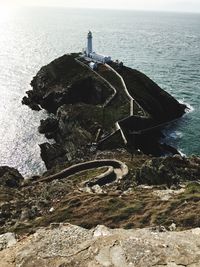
[[132, 100], [108, 83], [126, 91], [154, 127]]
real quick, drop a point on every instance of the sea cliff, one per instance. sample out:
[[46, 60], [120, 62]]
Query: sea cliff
[[84, 109]]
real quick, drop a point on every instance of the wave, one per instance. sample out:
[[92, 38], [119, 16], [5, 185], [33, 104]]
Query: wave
[[189, 108], [176, 134], [181, 153]]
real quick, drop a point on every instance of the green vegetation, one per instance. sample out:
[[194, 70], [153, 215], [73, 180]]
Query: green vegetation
[[193, 188]]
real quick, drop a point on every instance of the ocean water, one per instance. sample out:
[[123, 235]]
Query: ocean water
[[165, 46]]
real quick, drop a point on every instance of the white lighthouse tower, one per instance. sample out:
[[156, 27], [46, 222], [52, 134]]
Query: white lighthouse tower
[[89, 43], [89, 54]]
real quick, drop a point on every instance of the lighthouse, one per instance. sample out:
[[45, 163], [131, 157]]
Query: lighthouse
[[89, 43], [90, 55]]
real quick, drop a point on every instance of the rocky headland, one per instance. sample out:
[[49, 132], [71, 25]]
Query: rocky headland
[[103, 168], [84, 110]]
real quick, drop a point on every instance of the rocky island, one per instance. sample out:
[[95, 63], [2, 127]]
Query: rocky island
[[104, 167], [86, 105]]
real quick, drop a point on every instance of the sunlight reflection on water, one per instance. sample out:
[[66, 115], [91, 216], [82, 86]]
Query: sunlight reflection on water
[[164, 46]]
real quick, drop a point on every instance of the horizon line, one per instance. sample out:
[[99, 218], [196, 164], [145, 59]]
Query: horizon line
[[112, 9]]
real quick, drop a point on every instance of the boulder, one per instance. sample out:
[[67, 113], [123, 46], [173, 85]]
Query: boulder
[[53, 154], [48, 125], [7, 240], [31, 104], [10, 177]]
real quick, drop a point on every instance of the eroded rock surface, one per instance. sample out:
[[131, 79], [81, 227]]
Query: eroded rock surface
[[7, 240], [67, 245]]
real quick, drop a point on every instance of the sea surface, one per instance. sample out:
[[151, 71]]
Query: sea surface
[[165, 46]]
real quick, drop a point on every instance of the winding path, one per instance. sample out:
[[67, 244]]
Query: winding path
[[109, 99], [132, 100], [116, 169], [115, 172]]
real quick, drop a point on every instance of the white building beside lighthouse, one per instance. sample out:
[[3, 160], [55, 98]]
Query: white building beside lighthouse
[[89, 53]]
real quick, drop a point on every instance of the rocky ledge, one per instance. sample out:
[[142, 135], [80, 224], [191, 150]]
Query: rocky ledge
[[68, 245], [81, 117]]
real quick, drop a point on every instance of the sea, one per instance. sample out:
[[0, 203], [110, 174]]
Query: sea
[[165, 46]]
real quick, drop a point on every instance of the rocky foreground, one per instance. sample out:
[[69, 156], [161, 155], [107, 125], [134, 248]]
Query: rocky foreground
[[67, 245]]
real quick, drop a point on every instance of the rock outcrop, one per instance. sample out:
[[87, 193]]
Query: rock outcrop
[[78, 99], [160, 105], [169, 170], [64, 81], [68, 245], [10, 177]]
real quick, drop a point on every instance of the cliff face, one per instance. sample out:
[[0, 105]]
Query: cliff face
[[78, 98], [64, 81], [158, 103]]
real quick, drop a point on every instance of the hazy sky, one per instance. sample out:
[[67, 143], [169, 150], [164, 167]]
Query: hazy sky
[[168, 5]]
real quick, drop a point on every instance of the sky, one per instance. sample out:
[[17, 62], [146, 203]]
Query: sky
[[166, 5]]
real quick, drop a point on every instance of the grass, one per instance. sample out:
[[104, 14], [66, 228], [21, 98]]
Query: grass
[[141, 208], [193, 188]]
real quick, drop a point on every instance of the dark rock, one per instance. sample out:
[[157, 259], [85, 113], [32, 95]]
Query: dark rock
[[76, 96], [160, 105], [35, 107], [53, 154], [52, 101], [88, 91], [154, 172], [169, 171], [169, 149], [27, 101], [48, 125], [51, 135], [10, 177]]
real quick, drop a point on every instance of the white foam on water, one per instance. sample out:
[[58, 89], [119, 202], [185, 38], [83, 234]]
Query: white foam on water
[[189, 108], [176, 134], [181, 153]]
